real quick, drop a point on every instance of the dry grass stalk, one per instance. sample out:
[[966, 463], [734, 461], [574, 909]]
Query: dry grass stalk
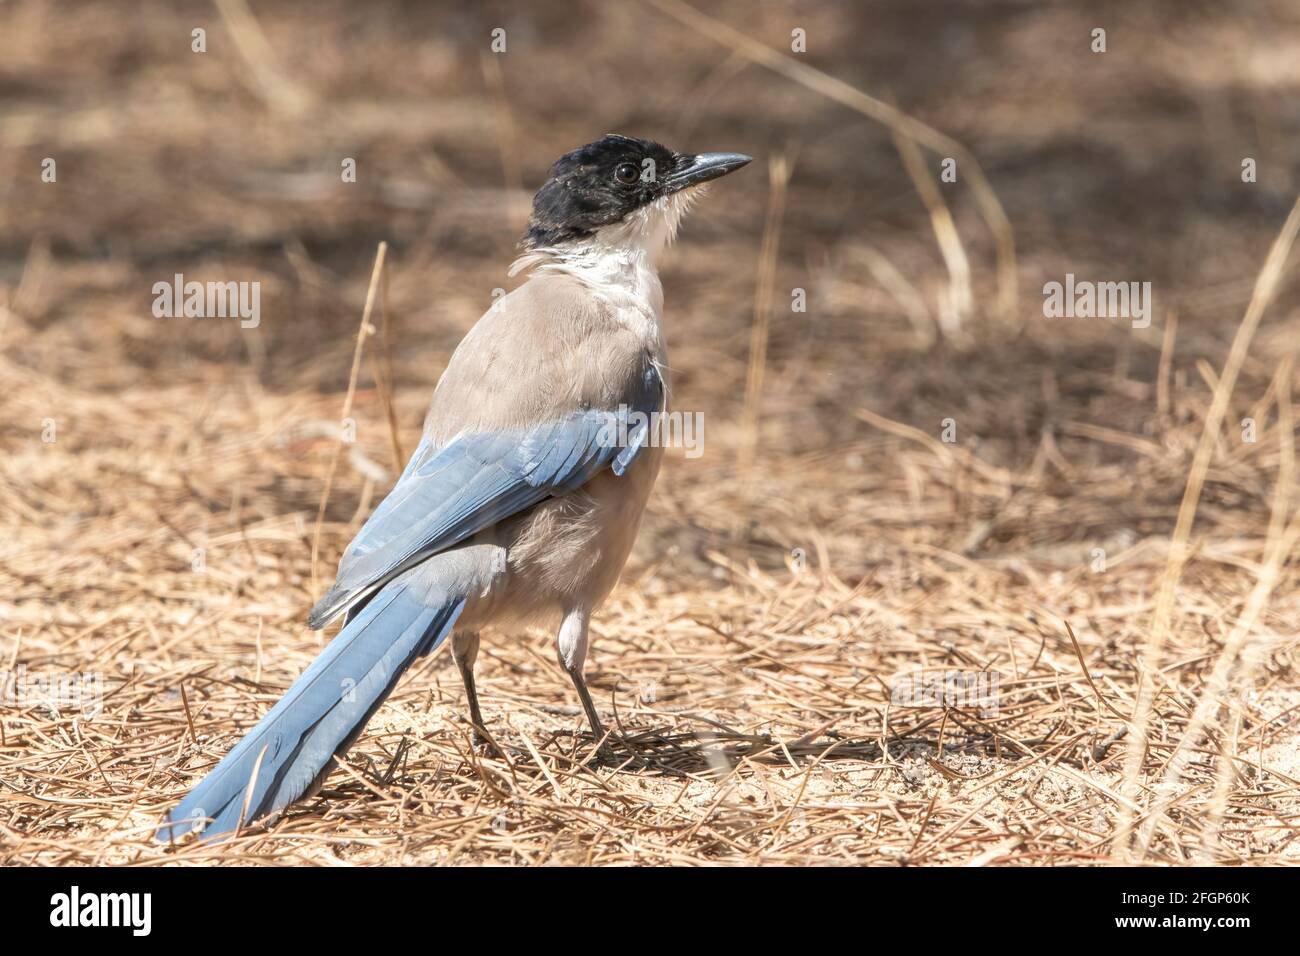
[[279, 92], [1265, 287], [511, 170], [363, 331], [960, 301], [778, 179]]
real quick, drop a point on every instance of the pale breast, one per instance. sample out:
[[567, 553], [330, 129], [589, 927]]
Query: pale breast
[[549, 348]]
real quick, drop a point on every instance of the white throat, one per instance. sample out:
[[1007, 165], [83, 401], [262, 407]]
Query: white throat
[[619, 261]]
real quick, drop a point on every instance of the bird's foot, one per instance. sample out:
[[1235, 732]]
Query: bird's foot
[[604, 742], [482, 744]]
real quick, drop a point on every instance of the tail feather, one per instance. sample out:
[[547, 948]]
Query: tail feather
[[287, 755]]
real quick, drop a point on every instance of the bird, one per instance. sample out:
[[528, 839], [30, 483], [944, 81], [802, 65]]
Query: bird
[[523, 499]]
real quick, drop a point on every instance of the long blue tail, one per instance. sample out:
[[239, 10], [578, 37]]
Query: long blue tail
[[287, 755]]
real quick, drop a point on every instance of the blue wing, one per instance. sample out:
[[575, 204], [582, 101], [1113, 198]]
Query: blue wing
[[450, 493]]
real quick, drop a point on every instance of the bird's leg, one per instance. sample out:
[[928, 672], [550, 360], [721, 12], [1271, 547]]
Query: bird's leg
[[464, 650], [571, 648]]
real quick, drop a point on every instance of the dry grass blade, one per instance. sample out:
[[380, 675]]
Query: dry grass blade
[[1265, 286], [779, 177], [1278, 547], [277, 90], [960, 301], [363, 331]]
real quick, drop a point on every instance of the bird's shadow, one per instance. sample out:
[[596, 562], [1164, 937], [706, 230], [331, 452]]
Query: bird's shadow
[[715, 750], [711, 752]]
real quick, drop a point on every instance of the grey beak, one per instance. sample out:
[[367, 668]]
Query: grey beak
[[703, 167]]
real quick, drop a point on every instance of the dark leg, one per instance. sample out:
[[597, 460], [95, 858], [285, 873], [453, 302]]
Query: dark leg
[[593, 717], [464, 650], [571, 648]]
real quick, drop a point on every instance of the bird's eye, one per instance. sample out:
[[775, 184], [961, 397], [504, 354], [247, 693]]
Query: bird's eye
[[626, 173]]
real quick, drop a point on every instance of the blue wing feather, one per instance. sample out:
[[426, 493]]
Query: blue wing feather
[[479, 479]]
